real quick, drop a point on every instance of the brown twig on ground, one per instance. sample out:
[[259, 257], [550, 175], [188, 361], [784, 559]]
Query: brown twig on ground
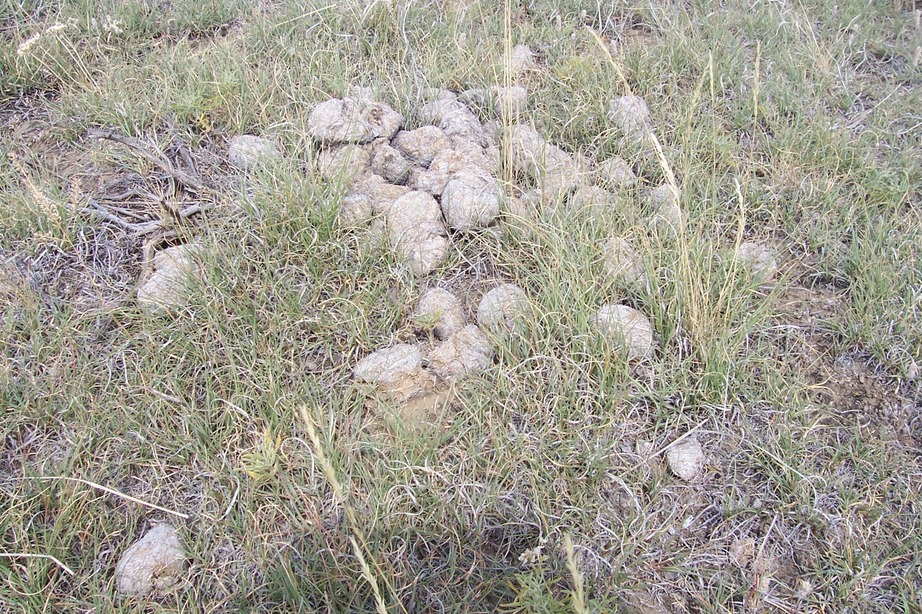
[[123, 211], [178, 178], [142, 228], [154, 156], [181, 148], [137, 228], [136, 193]]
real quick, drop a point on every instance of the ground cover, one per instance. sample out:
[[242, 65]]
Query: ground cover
[[763, 454]]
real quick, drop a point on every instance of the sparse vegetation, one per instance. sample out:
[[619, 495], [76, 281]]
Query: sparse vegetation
[[547, 482]]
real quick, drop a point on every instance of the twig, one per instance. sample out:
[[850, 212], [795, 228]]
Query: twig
[[127, 213], [137, 192], [112, 491], [193, 209], [759, 573], [142, 228], [29, 555], [181, 147], [767, 534], [233, 500], [98, 210], [152, 155]]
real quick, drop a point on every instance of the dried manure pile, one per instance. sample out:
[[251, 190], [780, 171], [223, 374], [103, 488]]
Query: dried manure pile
[[413, 190]]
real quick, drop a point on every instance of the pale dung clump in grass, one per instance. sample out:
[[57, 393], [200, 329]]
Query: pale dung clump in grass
[[153, 564]]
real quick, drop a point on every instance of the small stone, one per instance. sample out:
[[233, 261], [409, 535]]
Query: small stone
[[558, 182], [526, 145], [374, 237], [515, 210], [686, 459], [247, 151], [758, 260], [431, 94], [420, 146], [396, 371], [385, 122], [432, 111], [429, 181], [362, 94], [615, 173], [425, 255], [493, 129], [415, 214], [456, 121], [670, 217], [517, 215], [743, 551], [479, 97], [533, 200], [627, 327], [465, 352], [344, 163], [176, 255], [502, 308], [502, 101], [476, 157], [644, 449], [339, 121], [623, 263], [495, 232], [470, 200], [153, 565], [643, 602], [630, 114], [389, 163], [168, 286], [661, 195], [442, 309], [445, 165]]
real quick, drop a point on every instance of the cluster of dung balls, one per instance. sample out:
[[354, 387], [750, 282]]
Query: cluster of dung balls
[[416, 188]]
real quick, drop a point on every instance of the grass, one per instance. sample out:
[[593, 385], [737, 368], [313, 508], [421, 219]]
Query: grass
[[545, 487]]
